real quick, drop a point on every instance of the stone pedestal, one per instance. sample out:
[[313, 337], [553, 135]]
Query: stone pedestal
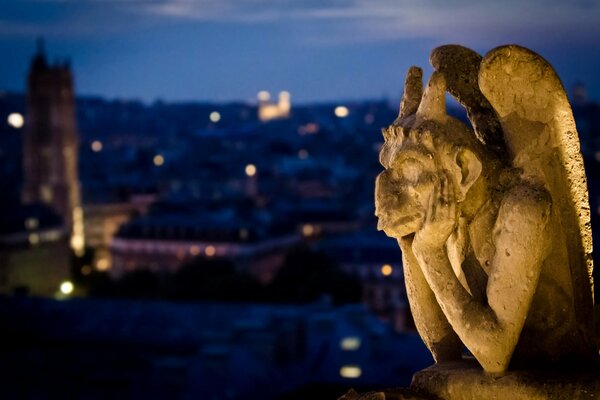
[[467, 381]]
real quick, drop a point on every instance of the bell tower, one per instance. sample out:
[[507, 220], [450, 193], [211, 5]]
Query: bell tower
[[50, 145]]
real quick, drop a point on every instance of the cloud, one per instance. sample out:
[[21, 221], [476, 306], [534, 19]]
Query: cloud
[[446, 20], [324, 21]]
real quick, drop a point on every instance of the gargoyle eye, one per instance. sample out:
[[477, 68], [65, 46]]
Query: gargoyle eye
[[409, 170]]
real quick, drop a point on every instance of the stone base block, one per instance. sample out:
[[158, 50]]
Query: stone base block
[[466, 380]]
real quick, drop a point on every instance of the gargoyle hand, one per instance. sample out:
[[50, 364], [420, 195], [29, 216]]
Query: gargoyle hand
[[441, 219]]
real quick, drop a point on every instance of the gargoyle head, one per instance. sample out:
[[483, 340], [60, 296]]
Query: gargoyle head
[[423, 143]]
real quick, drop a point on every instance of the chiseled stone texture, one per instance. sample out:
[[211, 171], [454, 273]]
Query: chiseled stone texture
[[493, 219], [466, 381], [389, 394]]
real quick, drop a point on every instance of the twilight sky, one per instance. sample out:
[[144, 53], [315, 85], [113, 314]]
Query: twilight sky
[[319, 50]]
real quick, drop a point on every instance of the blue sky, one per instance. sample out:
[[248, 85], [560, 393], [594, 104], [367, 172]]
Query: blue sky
[[319, 50]]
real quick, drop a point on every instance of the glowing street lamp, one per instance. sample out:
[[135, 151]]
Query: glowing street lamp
[[386, 270], [66, 288], [96, 146], [158, 160], [341, 112], [250, 170], [16, 120], [214, 116]]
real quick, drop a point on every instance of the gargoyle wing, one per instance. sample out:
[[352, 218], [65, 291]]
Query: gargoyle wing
[[541, 138]]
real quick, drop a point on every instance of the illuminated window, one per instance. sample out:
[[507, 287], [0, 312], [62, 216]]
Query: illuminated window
[[350, 371], [350, 343]]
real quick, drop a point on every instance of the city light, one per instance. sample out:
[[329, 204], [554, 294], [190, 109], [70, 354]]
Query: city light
[[78, 235], [194, 250], [303, 154], [86, 270], [341, 111], [308, 230], [350, 371], [96, 146], [214, 117], [158, 160], [15, 120], [66, 288], [33, 239], [210, 251], [386, 270], [31, 223], [263, 95], [250, 170], [103, 264], [284, 102], [350, 343]]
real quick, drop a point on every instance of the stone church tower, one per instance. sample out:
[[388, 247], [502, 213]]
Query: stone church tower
[[50, 148]]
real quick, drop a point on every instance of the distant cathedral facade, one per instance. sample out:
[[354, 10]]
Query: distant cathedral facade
[[268, 110], [51, 141]]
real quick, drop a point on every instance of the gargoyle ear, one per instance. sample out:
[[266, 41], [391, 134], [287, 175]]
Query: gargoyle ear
[[433, 103], [413, 91], [470, 168]]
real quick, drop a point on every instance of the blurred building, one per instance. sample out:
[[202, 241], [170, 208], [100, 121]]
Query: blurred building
[[164, 240], [268, 110], [34, 251], [377, 262], [144, 350], [51, 144]]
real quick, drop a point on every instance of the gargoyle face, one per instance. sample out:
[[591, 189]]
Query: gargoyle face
[[403, 190]]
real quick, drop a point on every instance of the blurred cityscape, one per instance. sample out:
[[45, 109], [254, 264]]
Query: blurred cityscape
[[197, 250]]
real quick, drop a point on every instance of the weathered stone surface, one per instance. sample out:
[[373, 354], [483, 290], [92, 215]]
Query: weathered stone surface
[[493, 223], [389, 394], [466, 381]]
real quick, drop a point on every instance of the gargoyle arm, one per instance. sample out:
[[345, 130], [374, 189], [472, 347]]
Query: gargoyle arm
[[491, 331]]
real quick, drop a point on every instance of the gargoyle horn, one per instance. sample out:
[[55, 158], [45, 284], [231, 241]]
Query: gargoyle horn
[[413, 91], [460, 67], [433, 102]]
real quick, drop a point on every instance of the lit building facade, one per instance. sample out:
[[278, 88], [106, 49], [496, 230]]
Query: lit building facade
[[165, 243], [268, 110]]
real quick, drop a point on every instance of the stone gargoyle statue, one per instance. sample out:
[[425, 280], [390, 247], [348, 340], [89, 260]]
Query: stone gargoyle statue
[[492, 220]]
